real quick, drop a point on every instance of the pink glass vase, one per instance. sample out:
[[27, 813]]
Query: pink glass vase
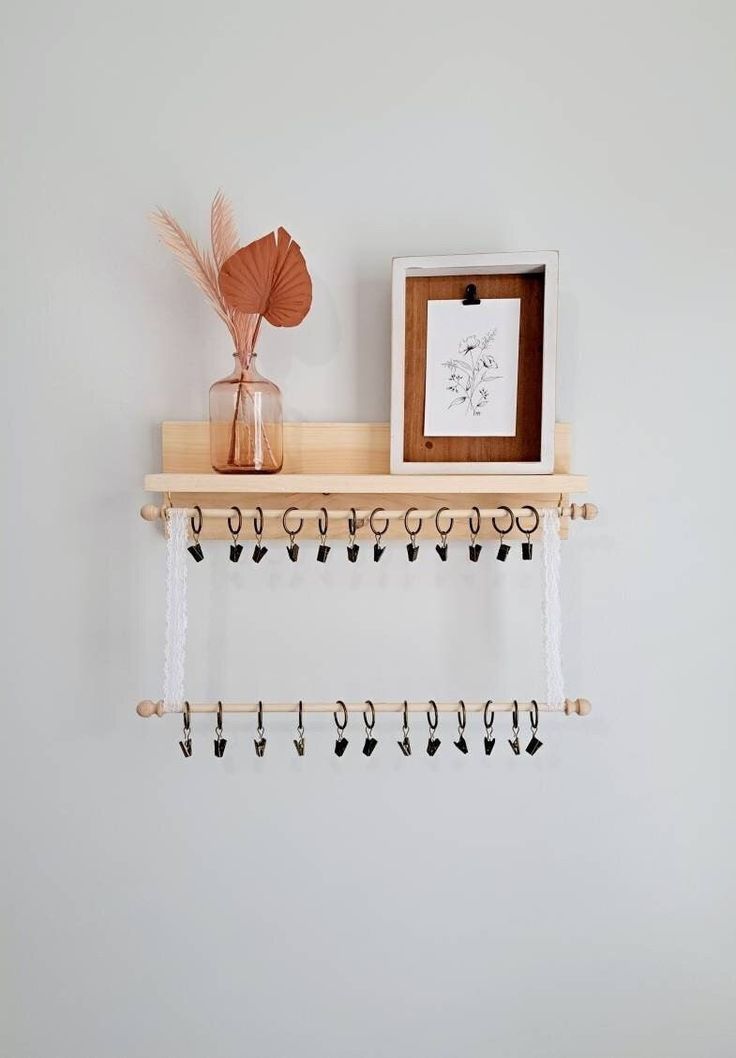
[[246, 431]]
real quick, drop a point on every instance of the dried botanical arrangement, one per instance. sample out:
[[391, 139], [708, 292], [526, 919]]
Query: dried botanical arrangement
[[267, 279]]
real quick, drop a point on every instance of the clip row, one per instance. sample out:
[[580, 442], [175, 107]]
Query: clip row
[[378, 524], [340, 716]]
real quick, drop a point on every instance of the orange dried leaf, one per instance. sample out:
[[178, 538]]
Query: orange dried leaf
[[268, 277]]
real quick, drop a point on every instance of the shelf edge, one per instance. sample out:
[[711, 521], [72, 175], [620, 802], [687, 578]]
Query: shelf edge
[[326, 484]]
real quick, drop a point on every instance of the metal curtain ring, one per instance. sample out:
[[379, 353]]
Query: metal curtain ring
[[235, 532], [488, 723], [433, 716], [535, 513], [443, 532], [219, 716], [300, 724], [535, 716], [374, 512], [260, 715], [287, 530], [352, 522], [369, 726], [502, 532], [196, 530], [322, 526], [406, 714], [412, 532], [515, 716], [474, 528], [461, 717], [187, 717], [258, 522], [341, 726]]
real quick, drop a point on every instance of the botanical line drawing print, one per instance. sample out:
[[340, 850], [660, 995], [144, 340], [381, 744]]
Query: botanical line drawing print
[[470, 372]]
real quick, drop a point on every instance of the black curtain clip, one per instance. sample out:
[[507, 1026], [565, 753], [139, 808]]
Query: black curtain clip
[[433, 719], [292, 548], [299, 743], [236, 549], [503, 547], [471, 295], [441, 548], [186, 742], [195, 549], [526, 547], [489, 740], [342, 743], [369, 719], [474, 549], [412, 548], [259, 550], [323, 521], [461, 744], [353, 548], [514, 742], [260, 740], [220, 742], [378, 533], [404, 744], [534, 742]]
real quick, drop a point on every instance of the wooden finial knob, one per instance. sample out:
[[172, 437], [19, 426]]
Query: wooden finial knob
[[586, 511], [150, 512], [149, 708], [581, 706]]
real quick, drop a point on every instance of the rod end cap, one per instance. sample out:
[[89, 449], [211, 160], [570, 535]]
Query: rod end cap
[[149, 708], [586, 511], [580, 706]]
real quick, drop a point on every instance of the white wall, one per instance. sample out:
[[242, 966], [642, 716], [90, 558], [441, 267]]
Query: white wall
[[579, 904]]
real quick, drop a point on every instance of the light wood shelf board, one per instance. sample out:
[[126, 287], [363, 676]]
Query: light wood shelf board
[[343, 465], [368, 484]]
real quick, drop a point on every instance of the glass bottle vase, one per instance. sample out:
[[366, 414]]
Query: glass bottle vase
[[246, 431]]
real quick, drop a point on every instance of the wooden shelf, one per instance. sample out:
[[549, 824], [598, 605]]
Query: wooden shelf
[[349, 458], [349, 462], [369, 484]]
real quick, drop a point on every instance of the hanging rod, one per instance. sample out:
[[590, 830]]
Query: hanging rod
[[150, 512], [578, 706]]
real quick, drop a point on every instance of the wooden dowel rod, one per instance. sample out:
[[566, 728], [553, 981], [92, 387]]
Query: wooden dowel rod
[[579, 706], [587, 511]]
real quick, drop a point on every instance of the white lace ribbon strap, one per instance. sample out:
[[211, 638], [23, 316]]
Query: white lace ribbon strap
[[552, 608], [176, 610]]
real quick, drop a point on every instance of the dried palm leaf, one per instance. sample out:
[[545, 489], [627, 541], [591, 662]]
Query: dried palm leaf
[[268, 277]]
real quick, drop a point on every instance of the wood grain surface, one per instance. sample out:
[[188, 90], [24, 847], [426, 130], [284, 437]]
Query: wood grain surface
[[525, 446]]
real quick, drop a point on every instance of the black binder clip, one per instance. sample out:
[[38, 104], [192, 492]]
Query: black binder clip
[[471, 295]]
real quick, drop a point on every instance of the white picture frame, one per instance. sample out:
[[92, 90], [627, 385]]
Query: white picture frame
[[547, 262]]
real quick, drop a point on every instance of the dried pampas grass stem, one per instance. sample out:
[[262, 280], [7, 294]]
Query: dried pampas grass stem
[[196, 263], [223, 230], [203, 267]]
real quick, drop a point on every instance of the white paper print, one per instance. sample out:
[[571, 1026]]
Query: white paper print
[[472, 368]]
